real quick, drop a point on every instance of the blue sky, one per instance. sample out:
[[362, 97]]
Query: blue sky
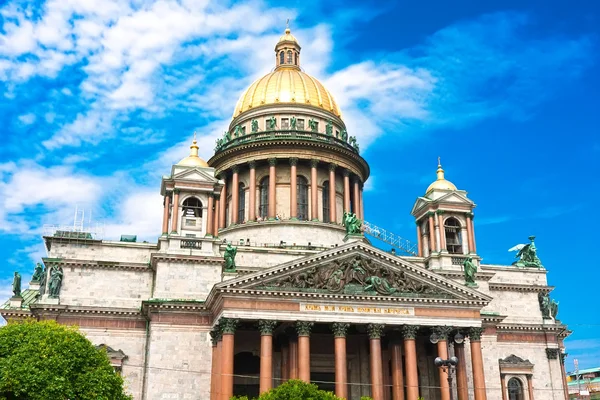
[[99, 100]]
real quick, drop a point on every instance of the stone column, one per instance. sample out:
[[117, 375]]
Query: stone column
[[293, 361], [266, 354], [397, 373], [235, 194], [272, 211], [464, 239], [215, 336], [442, 348], [228, 326], [470, 234], [223, 206], [314, 190], [332, 195], [216, 216], [293, 189], [252, 194], [419, 240], [362, 205], [346, 191], [304, 328], [209, 217], [503, 386], [409, 333], [432, 246], [219, 368], [473, 234], [341, 365], [461, 372], [530, 386], [563, 357], [441, 229], [375, 331], [356, 197], [477, 362], [167, 205], [175, 212]]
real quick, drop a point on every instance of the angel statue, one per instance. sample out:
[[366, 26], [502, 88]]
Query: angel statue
[[293, 122], [527, 255], [352, 224], [312, 124], [272, 122], [230, 253], [254, 126], [470, 270]]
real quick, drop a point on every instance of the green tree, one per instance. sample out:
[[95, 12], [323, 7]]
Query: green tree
[[295, 390], [46, 360]]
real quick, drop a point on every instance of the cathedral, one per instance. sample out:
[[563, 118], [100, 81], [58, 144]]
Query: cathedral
[[265, 272]]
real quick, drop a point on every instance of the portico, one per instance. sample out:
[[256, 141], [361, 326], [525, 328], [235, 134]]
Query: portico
[[314, 321]]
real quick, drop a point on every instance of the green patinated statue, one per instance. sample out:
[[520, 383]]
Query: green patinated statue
[[219, 143], [470, 270], [272, 123], [254, 126], [544, 300], [237, 131], [352, 224], [230, 253], [329, 128], [554, 308], [37, 273], [312, 124], [345, 136], [43, 282], [293, 123], [527, 255], [226, 137], [55, 284], [16, 285], [380, 285]]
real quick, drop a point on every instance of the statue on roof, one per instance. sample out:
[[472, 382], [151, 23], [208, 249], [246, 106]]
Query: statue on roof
[[544, 300], [293, 123], [352, 224], [37, 273], [345, 136], [230, 253], [470, 270], [254, 126], [16, 285], [527, 255], [553, 308], [55, 284], [43, 279], [237, 131], [312, 124], [329, 128], [272, 123]]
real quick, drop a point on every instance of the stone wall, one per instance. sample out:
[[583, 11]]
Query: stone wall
[[101, 251], [185, 280]]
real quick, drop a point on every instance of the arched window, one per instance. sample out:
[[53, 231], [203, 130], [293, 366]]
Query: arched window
[[515, 389], [281, 57], [326, 202], [263, 208], [302, 197], [296, 58], [241, 203], [192, 207], [453, 236], [290, 60]]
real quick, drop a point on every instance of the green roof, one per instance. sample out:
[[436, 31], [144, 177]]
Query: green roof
[[583, 381], [29, 296], [585, 371]]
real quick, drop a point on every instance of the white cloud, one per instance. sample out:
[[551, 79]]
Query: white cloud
[[139, 214], [27, 119]]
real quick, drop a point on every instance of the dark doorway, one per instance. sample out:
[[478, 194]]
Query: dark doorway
[[246, 368], [324, 380]]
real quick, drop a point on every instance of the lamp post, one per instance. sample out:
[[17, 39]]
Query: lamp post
[[448, 365]]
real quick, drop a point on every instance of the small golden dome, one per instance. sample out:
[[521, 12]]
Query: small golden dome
[[193, 160], [286, 85], [288, 37], [441, 183]]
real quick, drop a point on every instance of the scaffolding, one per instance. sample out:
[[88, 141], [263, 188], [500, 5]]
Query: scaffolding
[[403, 245], [81, 229]]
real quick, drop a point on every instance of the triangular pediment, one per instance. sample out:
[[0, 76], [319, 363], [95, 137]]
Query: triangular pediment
[[356, 269], [454, 197], [419, 204], [195, 175]]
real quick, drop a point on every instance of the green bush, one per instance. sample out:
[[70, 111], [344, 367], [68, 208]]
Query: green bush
[[294, 390], [46, 360]]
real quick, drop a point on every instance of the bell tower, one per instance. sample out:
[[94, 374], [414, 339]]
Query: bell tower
[[444, 218]]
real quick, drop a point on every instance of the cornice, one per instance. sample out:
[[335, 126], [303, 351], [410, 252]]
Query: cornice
[[512, 268], [175, 305], [479, 276], [491, 319], [115, 265], [155, 257], [517, 287], [42, 308], [559, 328]]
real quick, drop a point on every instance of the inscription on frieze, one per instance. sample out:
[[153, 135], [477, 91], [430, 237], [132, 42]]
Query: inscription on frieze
[[351, 309]]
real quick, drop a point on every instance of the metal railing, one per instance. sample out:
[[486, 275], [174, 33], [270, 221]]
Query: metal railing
[[404, 245]]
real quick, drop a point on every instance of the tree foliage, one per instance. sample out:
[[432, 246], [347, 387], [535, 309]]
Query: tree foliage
[[294, 390], [46, 360]]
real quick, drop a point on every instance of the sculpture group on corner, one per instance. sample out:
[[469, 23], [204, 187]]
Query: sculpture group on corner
[[229, 256], [527, 255], [548, 307], [352, 224]]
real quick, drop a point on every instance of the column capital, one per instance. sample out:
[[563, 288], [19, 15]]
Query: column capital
[[340, 329], [211, 195], [410, 331], [266, 326], [563, 357], [217, 196], [314, 163], [332, 166], [475, 334], [235, 169], [216, 335], [304, 327], [272, 162], [346, 173], [552, 354], [252, 164], [228, 325], [440, 212], [442, 331], [375, 330], [293, 161], [176, 191], [470, 215], [429, 214]]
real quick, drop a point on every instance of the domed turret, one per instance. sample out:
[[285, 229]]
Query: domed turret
[[440, 183], [193, 160]]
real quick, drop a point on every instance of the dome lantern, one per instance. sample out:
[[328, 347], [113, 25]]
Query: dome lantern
[[193, 160], [287, 51], [440, 183]]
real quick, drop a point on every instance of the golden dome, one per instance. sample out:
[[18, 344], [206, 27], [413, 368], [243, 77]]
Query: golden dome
[[288, 37], [441, 183], [286, 85], [193, 160]]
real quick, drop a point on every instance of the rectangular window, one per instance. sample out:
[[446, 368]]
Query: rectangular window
[[337, 134], [285, 123], [243, 130], [190, 235], [300, 124], [190, 222]]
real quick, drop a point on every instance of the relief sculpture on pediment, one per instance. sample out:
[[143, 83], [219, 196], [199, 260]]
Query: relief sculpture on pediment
[[354, 275]]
